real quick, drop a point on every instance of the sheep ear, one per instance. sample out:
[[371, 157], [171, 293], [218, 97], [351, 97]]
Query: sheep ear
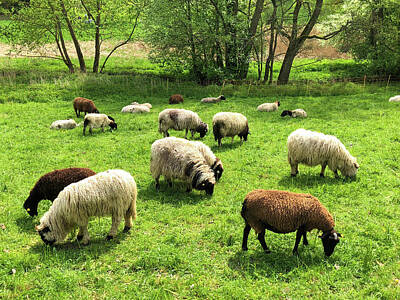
[[38, 227], [356, 165]]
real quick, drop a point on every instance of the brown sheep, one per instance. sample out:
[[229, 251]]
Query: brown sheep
[[284, 212], [175, 99], [84, 105]]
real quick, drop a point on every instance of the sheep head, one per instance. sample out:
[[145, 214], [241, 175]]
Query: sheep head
[[202, 129], [46, 234], [203, 184], [286, 113], [217, 168], [329, 240], [31, 206]]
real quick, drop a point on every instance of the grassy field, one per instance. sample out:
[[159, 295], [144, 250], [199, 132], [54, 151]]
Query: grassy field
[[188, 245]]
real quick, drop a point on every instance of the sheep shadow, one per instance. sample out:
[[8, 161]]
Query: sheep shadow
[[27, 223], [227, 146], [257, 263], [305, 180], [175, 195]]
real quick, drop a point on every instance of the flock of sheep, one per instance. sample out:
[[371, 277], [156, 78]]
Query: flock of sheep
[[79, 193]]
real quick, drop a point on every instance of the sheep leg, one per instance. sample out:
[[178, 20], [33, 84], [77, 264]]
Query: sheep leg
[[300, 232], [169, 182], [116, 219], [128, 222], [157, 183], [261, 238], [102, 128], [192, 132], [323, 166], [219, 142], [294, 169], [90, 130], [83, 234], [305, 241], [76, 112], [232, 139], [246, 231], [186, 132], [336, 174], [189, 188]]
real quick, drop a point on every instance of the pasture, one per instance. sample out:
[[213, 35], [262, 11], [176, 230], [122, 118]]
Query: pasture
[[188, 245]]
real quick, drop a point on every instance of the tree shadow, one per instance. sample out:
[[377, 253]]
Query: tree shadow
[[305, 180], [175, 195]]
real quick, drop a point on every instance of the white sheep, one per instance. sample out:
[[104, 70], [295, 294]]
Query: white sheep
[[174, 159], [112, 192], [213, 99], [63, 124], [181, 119], [269, 106], [395, 99], [313, 148], [98, 121], [135, 108], [295, 113], [145, 104], [230, 124]]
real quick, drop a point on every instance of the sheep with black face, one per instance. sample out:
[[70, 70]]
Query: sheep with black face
[[230, 124], [98, 121]]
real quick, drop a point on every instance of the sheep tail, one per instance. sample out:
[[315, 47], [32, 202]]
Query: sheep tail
[[159, 126], [217, 131], [244, 209]]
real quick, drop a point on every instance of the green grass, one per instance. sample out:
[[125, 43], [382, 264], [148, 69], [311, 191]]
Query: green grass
[[188, 245]]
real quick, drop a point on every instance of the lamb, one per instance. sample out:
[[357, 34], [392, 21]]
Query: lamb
[[214, 162], [98, 121], [175, 99], [313, 148], [112, 192], [174, 159], [134, 109], [145, 104], [230, 124], [295, 113], [395, 99], [84, 105], [63, 124], [49, 185], [284, 212], [213, 99], [180, 119], [269, 106]]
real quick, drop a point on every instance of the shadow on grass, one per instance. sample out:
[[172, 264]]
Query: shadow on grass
[[175, 195], [27, 223], [227, 146], [304, 180]]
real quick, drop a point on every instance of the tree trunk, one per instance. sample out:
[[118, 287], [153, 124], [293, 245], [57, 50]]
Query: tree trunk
[[271, 49], [97, 39], [79, 53], [63, 50], [296, 42]]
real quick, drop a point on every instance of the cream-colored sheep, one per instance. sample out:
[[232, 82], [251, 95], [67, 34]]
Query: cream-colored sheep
[[135, 109], [213, 99], [269, 106], [395, 99], [314, 148], [112, 192], [63, 124], [230, 124], [181, 119], [98, 121], [295, 113], [174, 159]]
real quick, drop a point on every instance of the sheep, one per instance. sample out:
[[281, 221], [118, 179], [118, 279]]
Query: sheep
[[84, 105], [145, 104], [174, 159], [135, 109], [63, 124], [175, 99], [230, 124], [49, 185], [284, 212], [213, 99], [180, 119], [269, 106], [98, 121], [313, 148], [112, 192], [214, 162], [295, 113], [395, 99]]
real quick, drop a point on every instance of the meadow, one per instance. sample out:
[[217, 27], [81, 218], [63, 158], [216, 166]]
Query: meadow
[[188, 245]]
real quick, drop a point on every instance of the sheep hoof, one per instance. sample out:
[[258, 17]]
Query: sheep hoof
[[295, 253], [126, 229], [305, 243], [267, 251], [79, 238], [321, 175], [245, 248], [109, 237], [293, 175], [157, 186]]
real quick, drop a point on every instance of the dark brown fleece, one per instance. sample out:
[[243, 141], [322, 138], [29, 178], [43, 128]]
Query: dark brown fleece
[[84, 105], [175, 99], [285, 211], [49, 185]]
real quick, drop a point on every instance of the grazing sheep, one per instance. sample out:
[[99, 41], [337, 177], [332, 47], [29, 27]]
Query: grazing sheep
[[284, 212], [269, 106], [49, 185], [395, 99], [174, 159], [135, 108], [84, 105], [213, 99], [63, 124], [313, 148], [295, 113], [112, 192], [175, 99], [214, 162], [145, 104], [230, 124], [180, 119], [98, 121]]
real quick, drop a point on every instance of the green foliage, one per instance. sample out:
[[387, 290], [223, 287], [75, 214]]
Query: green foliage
[[188, 245]]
